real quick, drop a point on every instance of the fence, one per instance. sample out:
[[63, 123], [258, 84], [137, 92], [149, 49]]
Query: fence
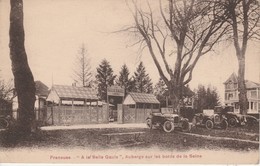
[[68, 115], [133, 115]]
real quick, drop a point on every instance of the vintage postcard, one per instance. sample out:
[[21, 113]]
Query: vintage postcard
[[129, 81]]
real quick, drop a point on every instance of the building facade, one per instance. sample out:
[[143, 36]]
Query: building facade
[[253, 94]]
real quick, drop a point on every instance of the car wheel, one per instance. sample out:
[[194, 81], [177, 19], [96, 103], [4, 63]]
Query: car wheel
[[3, 123], [149, 123], [209, 124], [168, 126], [224, 124], [232, 122], [185, 126]]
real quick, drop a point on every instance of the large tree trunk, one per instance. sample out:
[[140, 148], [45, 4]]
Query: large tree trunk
[[23, 78], [243, 102], [175, 93]]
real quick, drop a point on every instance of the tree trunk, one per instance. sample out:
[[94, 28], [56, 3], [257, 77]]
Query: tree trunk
[[23, 78], [243, 102], [175, 93]]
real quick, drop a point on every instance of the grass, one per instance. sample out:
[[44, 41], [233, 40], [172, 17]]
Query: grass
[[93, 139]]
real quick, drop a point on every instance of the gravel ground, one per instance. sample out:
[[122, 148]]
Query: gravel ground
[[93, 138]]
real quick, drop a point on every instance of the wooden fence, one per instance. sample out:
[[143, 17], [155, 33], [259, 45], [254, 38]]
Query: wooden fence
[[133, 115], [68, 115]]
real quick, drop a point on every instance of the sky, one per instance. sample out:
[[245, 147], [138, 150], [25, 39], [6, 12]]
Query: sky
[[55, 30]]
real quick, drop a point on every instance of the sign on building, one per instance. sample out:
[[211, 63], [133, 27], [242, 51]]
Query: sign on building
[[115, 91]]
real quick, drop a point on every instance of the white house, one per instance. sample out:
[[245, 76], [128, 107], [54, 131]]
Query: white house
[[253, 94]]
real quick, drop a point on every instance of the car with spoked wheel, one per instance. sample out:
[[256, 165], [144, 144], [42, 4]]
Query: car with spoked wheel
[[167, 122], [234, 119], [210, 120]]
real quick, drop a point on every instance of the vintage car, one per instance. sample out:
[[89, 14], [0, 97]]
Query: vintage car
[[251, 120], [4, 121], [210, 120], [234, 119], [167, 122]]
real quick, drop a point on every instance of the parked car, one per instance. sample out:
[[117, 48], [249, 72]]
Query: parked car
[[210, 120], [234, 119], [167, 122], [5, 121], [251, 120]]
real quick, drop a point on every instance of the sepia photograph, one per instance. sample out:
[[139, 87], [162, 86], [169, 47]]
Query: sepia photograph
[[129, 81]]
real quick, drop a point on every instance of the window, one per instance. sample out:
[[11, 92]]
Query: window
[[235, 85], [140, 105], [251, 105], [155, 106], [230, 85], [236, 106], [253, 94], [132, 106], [255, 106], [148, 106]]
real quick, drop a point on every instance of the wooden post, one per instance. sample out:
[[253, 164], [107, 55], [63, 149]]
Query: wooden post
[[144, 113], [97, 111], [167, 102], [135, 112], [52, 120], [90, 109], [84, 111], [60, 111], [72, 111]]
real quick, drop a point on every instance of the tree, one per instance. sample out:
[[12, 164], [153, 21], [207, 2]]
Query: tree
[[142, 81], [105, 78], [243, 16], [177, 35], [206, 98], [124, 80], [6, 89], [160, 90], [23, 77], [82, 69]]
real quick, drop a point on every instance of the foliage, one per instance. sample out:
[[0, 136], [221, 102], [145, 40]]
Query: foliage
[[6, 89], [142, 81], [124, 80], [105, 78], [82, 69], [206, 98]]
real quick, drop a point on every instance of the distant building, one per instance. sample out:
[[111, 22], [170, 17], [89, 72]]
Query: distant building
[[41, 94], [253, 94], [141, 100], [70, 105], [137, 107]]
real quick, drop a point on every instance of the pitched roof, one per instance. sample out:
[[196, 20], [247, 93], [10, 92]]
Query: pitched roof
[[232, 78], [249, 84], [72, 92], [41, 89], [144, 98]]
